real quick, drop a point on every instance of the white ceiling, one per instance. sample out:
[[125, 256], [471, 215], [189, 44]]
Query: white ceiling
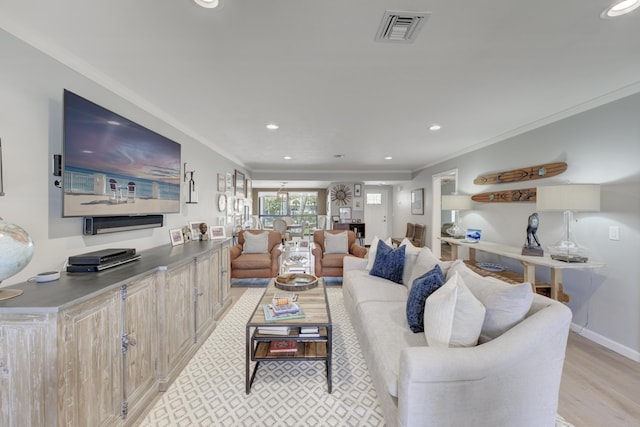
[[484, 70]]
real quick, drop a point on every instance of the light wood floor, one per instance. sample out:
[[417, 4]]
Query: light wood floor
[[599, 388]]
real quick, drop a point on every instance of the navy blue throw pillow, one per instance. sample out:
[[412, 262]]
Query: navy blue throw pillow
[[389, 263], [421, 288]]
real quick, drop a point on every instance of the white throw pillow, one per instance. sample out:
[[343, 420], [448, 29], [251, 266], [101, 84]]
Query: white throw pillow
[[425, 262], [256, 243], [453, 316], [410, 256], [506, 304], [336, 243], [373, 248]]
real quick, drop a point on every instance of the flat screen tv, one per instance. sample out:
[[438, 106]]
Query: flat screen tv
[[113, 166]]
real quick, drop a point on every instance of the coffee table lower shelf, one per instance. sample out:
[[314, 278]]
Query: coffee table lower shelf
[[309, 348]]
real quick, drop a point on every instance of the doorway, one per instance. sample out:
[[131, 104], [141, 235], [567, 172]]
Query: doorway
[[438, 181], [376, 211]]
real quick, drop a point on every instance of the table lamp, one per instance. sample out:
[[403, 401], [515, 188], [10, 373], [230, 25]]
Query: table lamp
[[456, 203], [568, 198]]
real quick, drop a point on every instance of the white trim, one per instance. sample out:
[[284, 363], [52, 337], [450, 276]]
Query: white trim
[[606, 342]]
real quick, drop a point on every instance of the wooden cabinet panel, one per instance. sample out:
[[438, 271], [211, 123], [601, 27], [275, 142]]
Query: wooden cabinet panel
[[177, 319], [90, 363], [225, 274], [140, 338], [25, 395], [206, 286]]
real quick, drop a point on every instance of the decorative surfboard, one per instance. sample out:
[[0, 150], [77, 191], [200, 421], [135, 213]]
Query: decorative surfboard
[[523, 174], [522, 195]]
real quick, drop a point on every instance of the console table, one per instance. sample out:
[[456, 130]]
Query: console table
[[95, 349], [529, 262], [357, 227]]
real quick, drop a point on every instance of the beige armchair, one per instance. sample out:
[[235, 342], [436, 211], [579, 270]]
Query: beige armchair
[[251, 265], [330, 265]]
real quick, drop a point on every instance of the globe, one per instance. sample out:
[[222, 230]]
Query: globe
[[16, 249]]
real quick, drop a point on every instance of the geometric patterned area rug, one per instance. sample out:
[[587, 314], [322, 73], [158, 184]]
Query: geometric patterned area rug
[[210, 391]]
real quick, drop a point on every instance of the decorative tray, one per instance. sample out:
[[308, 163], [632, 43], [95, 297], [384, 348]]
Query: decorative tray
[[294, 282], [490, 267]]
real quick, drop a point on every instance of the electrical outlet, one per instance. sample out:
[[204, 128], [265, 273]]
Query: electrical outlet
[[614, 232]]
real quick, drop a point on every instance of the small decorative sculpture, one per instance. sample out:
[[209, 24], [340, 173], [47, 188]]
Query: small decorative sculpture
[[203, 231], [532, 228]]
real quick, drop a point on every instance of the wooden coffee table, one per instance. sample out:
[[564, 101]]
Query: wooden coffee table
[[314, 304]]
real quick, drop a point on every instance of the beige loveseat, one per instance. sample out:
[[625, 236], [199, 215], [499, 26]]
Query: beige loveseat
[[512, 379]]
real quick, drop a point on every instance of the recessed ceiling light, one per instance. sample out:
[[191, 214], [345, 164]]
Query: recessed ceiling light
[[435, 127], [620, 8], [272, 126], [388, 158], [287, 157], [209, 4]]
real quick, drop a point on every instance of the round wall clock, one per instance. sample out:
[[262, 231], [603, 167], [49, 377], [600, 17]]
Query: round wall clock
[[341, 194], [222, 202]]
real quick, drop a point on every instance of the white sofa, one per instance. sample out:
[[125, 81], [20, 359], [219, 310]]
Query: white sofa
[[510, 380]]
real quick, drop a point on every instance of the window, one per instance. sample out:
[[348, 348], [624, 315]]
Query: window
[[374, 198], [302, 208]]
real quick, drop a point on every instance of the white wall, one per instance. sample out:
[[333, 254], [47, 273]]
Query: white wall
[[31, 86], [600, 146]]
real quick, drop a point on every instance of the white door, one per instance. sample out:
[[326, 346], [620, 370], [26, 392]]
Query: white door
[[376, 209]]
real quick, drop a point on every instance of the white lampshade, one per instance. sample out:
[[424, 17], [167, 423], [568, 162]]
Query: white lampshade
[[456, 202], [570, 197]]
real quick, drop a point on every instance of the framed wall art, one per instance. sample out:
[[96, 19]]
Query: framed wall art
[[239, 183], [357, 190], [249, 189], [222, 183], [229, 179], [417, 202]]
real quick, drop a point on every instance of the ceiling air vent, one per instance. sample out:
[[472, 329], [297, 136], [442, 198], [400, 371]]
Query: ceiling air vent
[[400, 27]]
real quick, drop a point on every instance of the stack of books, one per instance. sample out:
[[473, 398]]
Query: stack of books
[[309, 332], [282, 307], [274, 330]]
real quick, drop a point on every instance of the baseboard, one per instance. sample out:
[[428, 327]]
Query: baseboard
[[606, 342]]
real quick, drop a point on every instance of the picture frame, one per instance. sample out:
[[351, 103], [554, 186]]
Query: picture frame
[[239, 183], [217, 232], [335, 218], [249, 188], [357, 190], [176, 236], [194, 226], [345, 214], [229, 183], [417, 202], [222, 183]]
